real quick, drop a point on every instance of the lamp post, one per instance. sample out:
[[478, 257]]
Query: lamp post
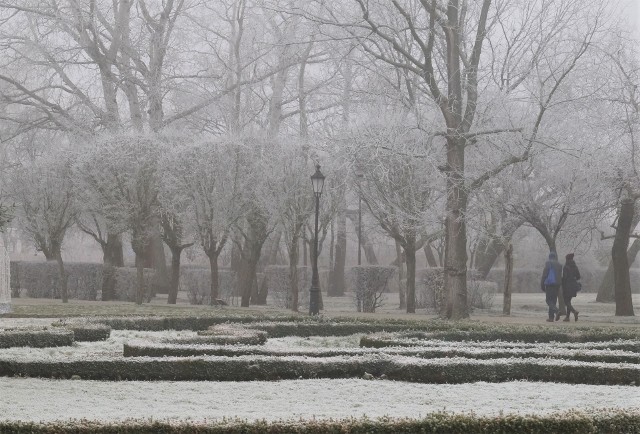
[[317, 181]]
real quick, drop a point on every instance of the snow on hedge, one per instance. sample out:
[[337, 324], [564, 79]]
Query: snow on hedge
[[48, 400], [112, 347]]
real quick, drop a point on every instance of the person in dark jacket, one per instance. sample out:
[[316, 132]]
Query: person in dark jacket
[[570, 285], [550, 284]]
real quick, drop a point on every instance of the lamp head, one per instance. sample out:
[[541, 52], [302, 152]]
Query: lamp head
[[317, 181]]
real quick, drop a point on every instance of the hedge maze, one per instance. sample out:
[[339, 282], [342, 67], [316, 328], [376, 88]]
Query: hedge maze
[[232, 348]]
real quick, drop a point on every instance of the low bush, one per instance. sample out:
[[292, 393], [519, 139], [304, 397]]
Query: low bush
[[127, 284], [596, 422], [168, 350], [41, 279], [528, 279], [35, 338], [176, 323], [84, 280], [266, 368], [196, 282], [430, 290], [370, 283], [501, 333], [279, 285], [84, 331]]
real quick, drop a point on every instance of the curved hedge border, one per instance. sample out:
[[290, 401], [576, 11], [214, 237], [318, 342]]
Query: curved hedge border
[[257, 338], [265, 368], [35, 338], [505, 333], [615, 421], [164, 350], [432, 329]]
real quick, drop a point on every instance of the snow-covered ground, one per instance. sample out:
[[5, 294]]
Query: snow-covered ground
[[35, 400]]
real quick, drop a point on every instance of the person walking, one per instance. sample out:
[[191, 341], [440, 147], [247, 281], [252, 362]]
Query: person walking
[[570, 285], [550, 284]]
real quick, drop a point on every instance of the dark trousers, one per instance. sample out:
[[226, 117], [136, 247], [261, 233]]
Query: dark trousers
[[567, 302], [552, 299]]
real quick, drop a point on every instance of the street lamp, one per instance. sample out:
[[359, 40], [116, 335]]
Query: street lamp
[[317, 181]]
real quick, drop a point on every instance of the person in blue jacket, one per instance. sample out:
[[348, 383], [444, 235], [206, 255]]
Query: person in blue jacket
[[550, 284]]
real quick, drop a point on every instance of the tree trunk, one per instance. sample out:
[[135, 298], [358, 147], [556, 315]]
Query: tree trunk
[[508, 272], [430, 257], [112, 257], [293, 272], [338, 283], [624, 302], [606, 292], [214, 293], [488, 253], [139, 278], [62, 276], [456, 241], [403, 285], [176, 252], [410, 253]]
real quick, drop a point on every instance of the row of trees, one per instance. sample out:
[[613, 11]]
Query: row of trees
[[490, 115]]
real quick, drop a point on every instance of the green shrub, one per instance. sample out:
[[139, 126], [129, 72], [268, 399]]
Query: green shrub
[[599, 422], [84, 280], [370, 283], [85, 331], [264, 368], [35, 338], [279, 285], [196, 281], [171, 350], [504, 333], [41, 279]]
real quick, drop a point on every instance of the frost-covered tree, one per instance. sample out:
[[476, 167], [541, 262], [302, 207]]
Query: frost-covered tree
[[400, 195], [120, 172], [47, 206], [201, 189]]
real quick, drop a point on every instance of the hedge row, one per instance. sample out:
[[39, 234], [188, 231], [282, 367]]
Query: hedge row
[[84, 280], [615, 421], [35, 338], [158, 323], [164, 350], [293, 325], [504, 333], [259, 368], [89, 332]]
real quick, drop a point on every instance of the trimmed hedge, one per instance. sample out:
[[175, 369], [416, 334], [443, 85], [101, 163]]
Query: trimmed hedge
[[35, 338], [260, 368], [84, 280], [196, 281], [295, 325], [528, 279], [85, 331], [599, 422], [497, 333], [179, 323], [40, 279], [164, 350], [279, 286]]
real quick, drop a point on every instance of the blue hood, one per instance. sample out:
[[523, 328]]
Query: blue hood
[[553, 256]]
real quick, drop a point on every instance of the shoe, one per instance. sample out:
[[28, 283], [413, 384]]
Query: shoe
[[557, 315], [575, 314], [566, 318], [549, 319]]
